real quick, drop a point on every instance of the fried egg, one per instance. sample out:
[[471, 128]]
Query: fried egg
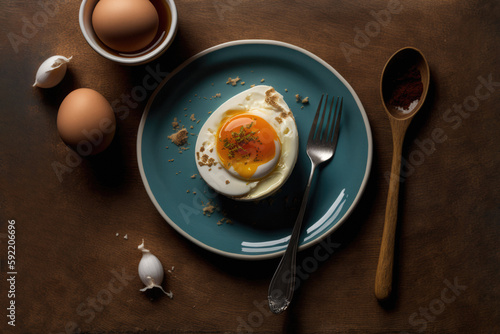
[[248, 147]]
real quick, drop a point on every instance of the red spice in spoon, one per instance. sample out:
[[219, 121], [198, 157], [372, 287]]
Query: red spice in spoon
[[407, 87]]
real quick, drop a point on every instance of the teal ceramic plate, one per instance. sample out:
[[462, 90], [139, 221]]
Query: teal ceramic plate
[[240, 229]]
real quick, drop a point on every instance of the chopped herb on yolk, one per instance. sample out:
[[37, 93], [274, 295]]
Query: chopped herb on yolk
[[239, 139]]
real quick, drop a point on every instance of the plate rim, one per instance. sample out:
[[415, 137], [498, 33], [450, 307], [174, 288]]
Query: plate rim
[[243, 42]]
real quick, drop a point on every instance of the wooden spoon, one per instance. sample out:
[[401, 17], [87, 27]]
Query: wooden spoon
[[402, 62]]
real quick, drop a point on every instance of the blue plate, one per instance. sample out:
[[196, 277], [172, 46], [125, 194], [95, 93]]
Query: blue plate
[[255, 230]]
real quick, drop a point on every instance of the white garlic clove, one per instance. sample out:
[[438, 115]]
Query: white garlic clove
[[150, 270], [51, 72]]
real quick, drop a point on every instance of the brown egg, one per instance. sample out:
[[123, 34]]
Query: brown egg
[[125, 25], [86, 121]]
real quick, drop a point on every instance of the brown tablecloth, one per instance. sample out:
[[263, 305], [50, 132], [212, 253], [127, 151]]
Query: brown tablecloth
[[73, 272]]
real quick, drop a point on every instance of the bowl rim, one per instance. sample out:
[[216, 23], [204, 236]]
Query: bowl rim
[[155, 53]]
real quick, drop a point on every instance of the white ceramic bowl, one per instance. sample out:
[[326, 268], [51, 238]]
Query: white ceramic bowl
[[85, 18]]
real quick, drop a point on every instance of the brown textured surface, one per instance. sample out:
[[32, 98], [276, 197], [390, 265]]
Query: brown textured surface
[[449, 203]]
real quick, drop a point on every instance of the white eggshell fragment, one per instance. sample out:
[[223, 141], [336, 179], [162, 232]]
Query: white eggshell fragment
[[51, 72]]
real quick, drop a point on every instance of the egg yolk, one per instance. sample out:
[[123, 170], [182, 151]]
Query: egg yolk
[[246, 142]]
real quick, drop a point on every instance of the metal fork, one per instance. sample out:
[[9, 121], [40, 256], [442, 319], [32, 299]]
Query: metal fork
[[321, 146]]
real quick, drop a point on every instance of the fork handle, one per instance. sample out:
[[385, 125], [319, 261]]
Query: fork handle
[[282, 284]]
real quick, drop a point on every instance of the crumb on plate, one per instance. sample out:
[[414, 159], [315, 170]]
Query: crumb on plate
[[180, 137], [208, 209], [232, 81]]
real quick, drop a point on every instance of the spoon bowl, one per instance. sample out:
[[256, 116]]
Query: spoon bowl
[[398, 65], [403, 88]]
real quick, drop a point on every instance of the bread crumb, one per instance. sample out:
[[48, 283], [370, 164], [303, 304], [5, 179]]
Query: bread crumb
[[262, 80], [286, 90], [187, 191], [224, 220], [227, 182], [175, 124], [232, 81], [208, 209], [272, 99], [193, 176], [117, 234], [305, 100], [297, 97], [206, 161], [191, 127], [252, 86], [171, 160], [180, 137], [125, 237], [192, 117], [242, 83]]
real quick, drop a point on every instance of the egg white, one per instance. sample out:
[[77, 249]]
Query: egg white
[[276, 112]]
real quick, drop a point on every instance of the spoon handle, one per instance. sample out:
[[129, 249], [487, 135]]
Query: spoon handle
[[383, 277]]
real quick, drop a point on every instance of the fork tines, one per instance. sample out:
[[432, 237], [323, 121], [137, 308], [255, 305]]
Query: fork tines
[[330, 131]]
